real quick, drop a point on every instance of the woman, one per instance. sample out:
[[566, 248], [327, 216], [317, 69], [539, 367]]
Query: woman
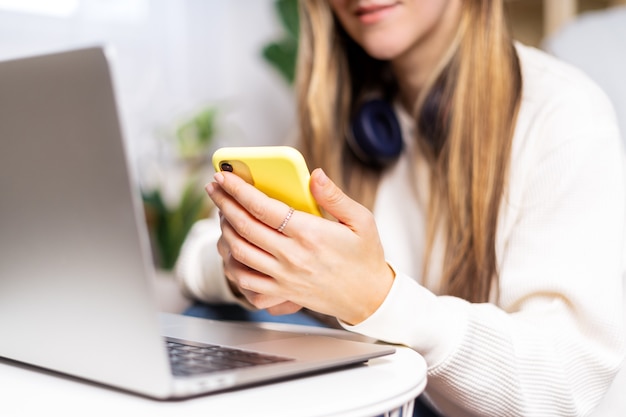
[[491, 244]]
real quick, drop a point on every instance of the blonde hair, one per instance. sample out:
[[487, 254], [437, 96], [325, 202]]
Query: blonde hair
[[465, 119]]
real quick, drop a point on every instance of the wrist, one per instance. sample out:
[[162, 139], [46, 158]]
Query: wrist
[[375, 298]]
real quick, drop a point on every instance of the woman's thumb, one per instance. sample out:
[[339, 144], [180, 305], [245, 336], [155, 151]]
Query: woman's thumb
[[334, 201]]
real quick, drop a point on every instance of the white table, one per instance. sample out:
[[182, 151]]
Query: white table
[[385, 385]]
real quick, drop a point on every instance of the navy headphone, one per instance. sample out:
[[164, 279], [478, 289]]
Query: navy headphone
[[375, 137]]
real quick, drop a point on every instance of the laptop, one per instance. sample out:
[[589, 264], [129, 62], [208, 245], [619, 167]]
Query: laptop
[[76, 272]]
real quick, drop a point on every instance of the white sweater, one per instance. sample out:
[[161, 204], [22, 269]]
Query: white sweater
[[552, 338]]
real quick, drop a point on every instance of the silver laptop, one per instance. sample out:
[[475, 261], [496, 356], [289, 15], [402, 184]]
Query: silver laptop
[[75, 266]]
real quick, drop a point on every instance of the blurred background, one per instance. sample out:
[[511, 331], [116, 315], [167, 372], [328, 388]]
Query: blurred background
[[169, 58]]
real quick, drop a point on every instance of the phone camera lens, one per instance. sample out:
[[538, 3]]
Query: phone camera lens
[[225, 166]]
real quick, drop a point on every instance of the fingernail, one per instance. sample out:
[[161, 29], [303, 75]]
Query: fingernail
[[219, 177], [209, 188], [322, 179]]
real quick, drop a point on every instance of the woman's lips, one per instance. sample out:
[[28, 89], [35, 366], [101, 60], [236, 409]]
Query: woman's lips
[[374, 13]]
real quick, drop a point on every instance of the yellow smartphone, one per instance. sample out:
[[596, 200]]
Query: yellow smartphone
[[278, 171]]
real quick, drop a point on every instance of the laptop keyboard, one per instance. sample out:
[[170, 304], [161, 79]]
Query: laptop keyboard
[[190, 360]]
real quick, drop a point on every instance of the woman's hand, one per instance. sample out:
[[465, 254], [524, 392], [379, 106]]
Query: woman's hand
[[335, 268]]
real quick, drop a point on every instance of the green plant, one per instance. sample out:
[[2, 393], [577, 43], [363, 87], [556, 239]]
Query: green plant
[[281, 54], [195, 135], [169, 221], [169, 226]]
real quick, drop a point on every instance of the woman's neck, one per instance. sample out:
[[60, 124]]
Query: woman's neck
[[414, 68]]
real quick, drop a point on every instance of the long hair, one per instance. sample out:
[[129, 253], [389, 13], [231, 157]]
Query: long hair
[[465, 118]]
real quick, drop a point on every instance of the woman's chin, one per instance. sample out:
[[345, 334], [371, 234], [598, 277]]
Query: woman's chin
[[383, 54]]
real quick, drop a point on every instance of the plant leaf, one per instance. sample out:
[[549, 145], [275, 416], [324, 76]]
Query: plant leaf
[[282, 56], [288, 13]]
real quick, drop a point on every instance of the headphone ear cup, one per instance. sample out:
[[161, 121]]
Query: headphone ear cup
[[376, 137]]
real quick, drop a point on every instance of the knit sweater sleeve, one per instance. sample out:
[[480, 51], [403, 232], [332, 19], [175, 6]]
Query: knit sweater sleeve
[[199, 268], [553, 338]]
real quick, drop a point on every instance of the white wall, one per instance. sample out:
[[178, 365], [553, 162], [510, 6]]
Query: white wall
[[169, 58]]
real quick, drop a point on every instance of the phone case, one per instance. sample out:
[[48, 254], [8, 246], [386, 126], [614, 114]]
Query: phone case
[[278, 171]]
